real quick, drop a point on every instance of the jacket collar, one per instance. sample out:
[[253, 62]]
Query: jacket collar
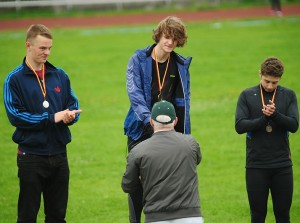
[[48, 65]]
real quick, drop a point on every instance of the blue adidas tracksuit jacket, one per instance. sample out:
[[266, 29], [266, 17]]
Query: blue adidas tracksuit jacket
[[36, 132], [138, 84]]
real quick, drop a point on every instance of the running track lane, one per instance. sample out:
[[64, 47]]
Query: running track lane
[[139, 19]]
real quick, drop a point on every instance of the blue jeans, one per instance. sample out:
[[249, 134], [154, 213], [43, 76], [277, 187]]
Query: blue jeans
[[47, 176]]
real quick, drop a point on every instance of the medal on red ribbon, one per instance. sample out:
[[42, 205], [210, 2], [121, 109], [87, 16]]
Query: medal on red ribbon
[[41, 83]]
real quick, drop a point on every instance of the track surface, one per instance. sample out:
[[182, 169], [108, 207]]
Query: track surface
[[138, 19]]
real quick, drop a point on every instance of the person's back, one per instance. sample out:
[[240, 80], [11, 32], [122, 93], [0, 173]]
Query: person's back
[[168, 162], [166, 166]]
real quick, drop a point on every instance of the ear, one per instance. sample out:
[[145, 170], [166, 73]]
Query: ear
[[27, 44], [151, 123], [175, 121]]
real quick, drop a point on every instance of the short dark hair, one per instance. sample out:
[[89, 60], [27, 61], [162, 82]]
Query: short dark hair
[[172, 27], [272, 66]]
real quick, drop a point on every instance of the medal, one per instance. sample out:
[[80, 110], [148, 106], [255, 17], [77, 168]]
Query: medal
[[41, 83], [45, 104], [269, 128]]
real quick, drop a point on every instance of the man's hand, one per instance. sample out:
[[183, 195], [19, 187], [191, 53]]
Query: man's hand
[[269, 109], [66, 116]]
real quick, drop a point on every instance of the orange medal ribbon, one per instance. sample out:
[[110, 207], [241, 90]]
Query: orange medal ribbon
[[42, 87], [262, 96], [160, 85], [268, 127]]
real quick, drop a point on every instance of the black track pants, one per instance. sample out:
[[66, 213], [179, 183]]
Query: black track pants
[[135, 200], [276, 5], [279, 182]]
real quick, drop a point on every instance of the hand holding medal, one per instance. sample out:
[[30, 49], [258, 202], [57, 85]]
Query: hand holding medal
[[268, 109]]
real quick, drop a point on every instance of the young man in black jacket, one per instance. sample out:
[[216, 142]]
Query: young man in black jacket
[[267, 113]]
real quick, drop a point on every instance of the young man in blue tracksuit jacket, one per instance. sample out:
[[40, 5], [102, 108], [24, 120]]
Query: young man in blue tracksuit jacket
[[156, 73], [41, 105]]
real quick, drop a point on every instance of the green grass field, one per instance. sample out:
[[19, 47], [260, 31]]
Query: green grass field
[[226, 59]]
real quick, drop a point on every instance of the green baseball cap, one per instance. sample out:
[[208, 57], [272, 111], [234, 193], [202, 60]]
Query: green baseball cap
[[163, 112]]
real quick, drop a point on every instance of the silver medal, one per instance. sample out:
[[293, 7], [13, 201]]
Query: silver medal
[[45, 104]]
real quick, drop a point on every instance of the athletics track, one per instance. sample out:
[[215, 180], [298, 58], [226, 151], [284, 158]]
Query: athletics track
[[148, 17]]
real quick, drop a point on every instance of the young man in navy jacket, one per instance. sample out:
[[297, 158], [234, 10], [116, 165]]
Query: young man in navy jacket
[[41, 105]]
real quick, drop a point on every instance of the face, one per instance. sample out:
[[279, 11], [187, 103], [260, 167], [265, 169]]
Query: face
[[38, 49], [167, 43], [269, 83]]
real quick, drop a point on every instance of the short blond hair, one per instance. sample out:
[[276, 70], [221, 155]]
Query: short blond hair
[[38, 29]]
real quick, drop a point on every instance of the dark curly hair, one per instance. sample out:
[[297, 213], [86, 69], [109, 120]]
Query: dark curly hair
[[171, 27], [272, 66]]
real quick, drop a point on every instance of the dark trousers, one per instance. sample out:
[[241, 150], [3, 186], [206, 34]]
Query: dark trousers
[[276, 6], [280, 183], [135, 200], [47, 176]]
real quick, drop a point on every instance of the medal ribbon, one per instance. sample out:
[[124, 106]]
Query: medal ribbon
[[262, 96], [160, 85], [42, 87]]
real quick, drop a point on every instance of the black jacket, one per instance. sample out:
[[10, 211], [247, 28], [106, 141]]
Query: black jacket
[[267, 149]]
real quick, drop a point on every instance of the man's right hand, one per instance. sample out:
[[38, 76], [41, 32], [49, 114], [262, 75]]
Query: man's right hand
[[66, 116]]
